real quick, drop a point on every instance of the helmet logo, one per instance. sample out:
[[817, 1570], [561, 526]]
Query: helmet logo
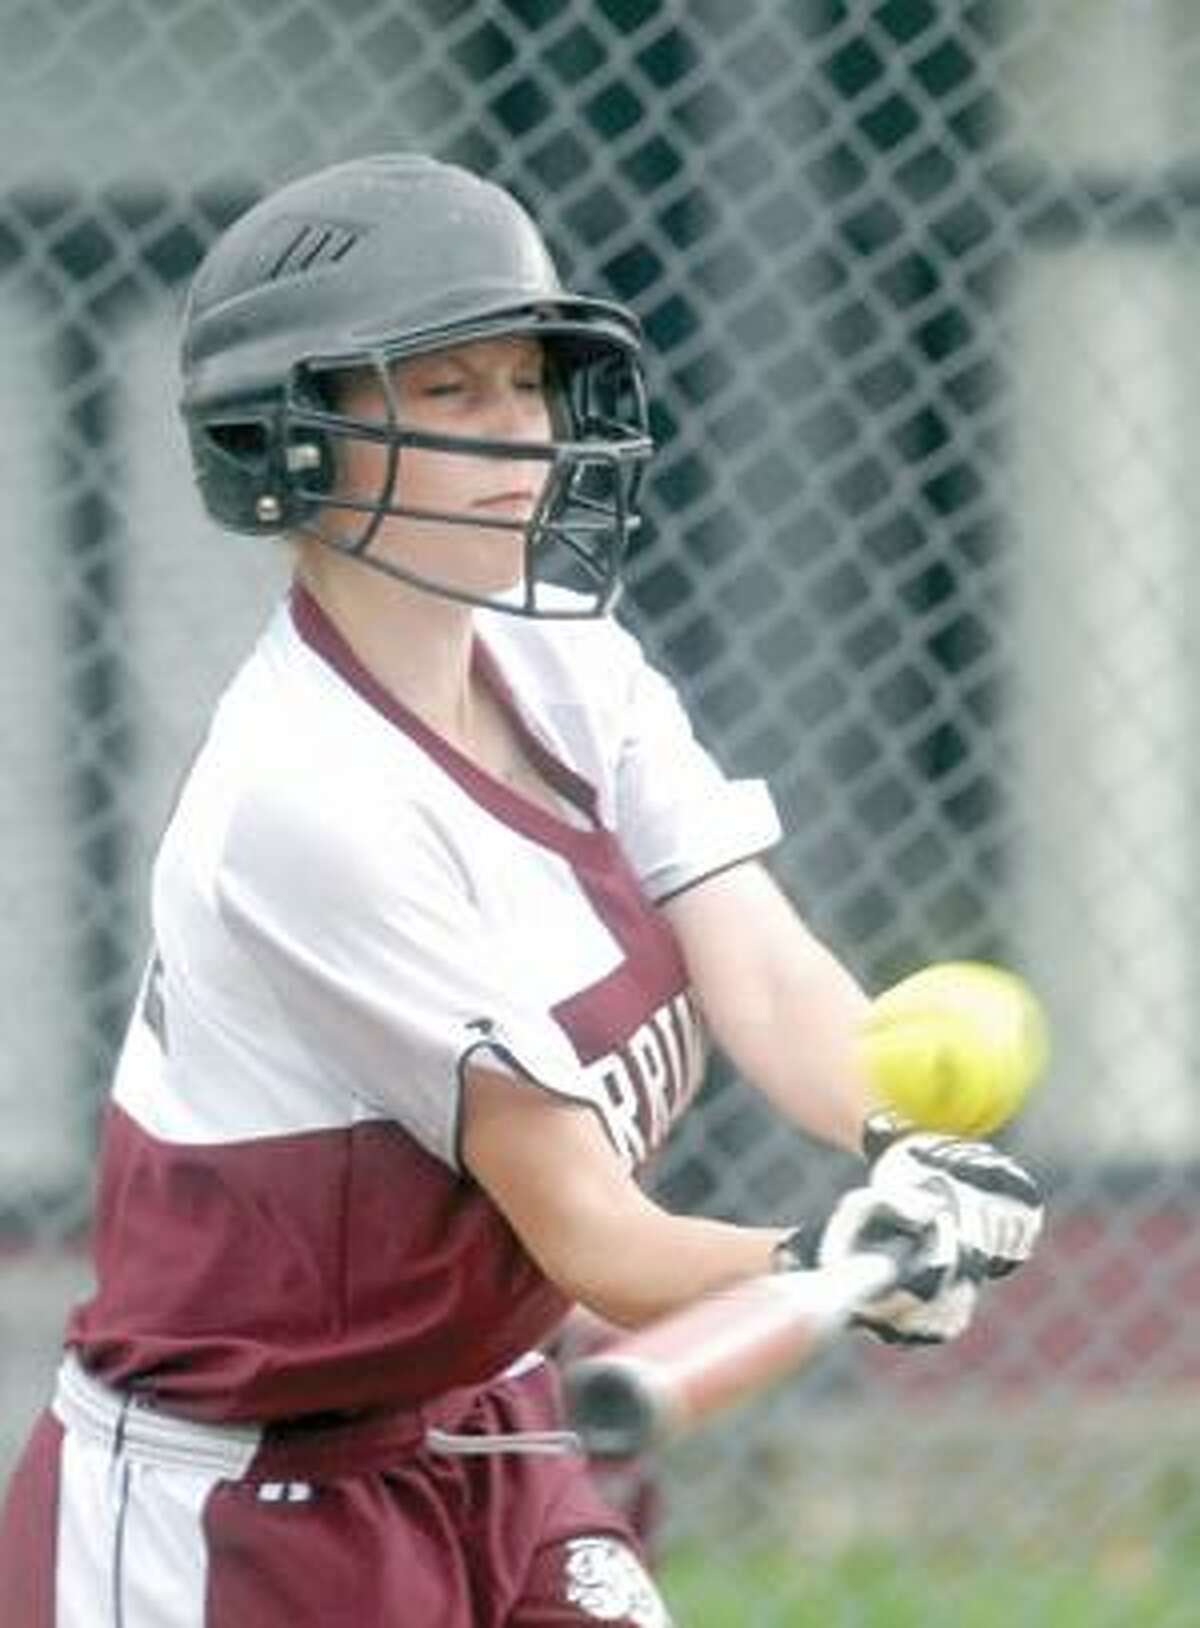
[[312, 245]]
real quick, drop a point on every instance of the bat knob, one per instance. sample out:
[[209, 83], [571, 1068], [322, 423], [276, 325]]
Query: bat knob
[[611, 1407]]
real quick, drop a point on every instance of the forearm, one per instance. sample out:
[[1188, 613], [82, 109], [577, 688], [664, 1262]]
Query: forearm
[[777, 1001], [798, 1047], [635, 1267]]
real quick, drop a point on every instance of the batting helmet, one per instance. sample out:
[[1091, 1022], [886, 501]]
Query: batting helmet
[[369, 262]]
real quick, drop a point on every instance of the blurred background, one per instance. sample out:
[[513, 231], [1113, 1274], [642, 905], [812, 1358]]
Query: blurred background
[[921, 296]]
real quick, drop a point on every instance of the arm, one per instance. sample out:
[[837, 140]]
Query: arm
[[549, 1167], [778, 1003]]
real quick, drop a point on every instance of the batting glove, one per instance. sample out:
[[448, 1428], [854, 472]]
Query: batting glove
[[933, 1301], [996, 1203]]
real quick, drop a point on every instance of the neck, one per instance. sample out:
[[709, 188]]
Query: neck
[[416, 645]]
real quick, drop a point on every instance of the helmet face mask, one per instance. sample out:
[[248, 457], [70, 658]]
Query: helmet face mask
[[588, 474], [437, 260]]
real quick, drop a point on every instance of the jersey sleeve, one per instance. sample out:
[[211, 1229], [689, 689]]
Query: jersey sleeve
[[679, 817], [369, 939]]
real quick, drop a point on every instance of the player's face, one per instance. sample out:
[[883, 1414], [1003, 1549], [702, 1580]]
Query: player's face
[[491, 388]]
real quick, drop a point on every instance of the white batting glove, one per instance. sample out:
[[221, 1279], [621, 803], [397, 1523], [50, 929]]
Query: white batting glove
[[996, 1203], [934, 1301]]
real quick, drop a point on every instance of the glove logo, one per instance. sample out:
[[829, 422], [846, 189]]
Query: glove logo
[[978, 1165]]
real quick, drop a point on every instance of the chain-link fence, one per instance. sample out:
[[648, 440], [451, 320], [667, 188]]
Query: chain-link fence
[[919, 284]]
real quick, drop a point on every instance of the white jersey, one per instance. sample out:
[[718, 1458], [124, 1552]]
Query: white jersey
[[345, 910]]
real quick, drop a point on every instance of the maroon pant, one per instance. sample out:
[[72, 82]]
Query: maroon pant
[[435, 1539]]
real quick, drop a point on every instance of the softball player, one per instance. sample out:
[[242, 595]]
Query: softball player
[[449, 903]]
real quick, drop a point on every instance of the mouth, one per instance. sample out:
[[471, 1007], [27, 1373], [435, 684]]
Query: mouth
[[518, 502]]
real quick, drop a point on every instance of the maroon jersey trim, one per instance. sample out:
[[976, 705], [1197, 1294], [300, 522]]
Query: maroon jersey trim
[[319, 633]]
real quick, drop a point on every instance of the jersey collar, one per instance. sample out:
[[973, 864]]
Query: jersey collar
[[318, 631]]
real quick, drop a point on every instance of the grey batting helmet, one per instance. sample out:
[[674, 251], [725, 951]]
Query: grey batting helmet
[[368, 262]]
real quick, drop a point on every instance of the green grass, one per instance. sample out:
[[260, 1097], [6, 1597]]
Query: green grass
[[882, 1589]]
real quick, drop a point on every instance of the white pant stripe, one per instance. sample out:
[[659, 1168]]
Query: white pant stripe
[[131, 1551]]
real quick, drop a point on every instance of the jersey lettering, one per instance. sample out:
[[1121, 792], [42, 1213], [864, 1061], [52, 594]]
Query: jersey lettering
[[645, 1082], [620, 1106]]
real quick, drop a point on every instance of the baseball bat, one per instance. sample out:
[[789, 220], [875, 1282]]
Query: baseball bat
[[665, 1379]]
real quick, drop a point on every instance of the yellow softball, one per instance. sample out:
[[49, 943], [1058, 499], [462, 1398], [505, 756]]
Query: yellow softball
[[955, 1047]]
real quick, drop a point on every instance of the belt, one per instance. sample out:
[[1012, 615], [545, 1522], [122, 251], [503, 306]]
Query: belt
[[124, 1423]]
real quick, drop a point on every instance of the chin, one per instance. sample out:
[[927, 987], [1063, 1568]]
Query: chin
[[485, 573], [469, 565]]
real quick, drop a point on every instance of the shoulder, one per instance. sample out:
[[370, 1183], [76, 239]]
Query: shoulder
[[340, 829], [301, 789]]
